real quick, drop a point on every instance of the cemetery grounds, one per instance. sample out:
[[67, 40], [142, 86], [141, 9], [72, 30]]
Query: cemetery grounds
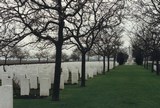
[[123, 87]]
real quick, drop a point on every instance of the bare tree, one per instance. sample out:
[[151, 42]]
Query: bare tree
[[5, 52], [147, 40], [90, 54], [75, 56], [42, 20], [26, 54], [89, 22], [39, 56], [107, 43], [17, 52], [147, 15]]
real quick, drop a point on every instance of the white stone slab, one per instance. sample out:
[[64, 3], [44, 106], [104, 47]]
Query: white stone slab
[[90, 74], [44, 87], [86, 76], [66, 76], [7, 81], [1, 69], [6, 96], [95, 73], [74, 78], [99, 69], [24, 87], [45, 76], [62, 82], [0, 76], [155, 68], [7, 75], [80, 72], [52, 77], [33, 81], [20, 77], [65, 73]]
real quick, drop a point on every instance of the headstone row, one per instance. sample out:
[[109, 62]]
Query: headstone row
[[30, 76]]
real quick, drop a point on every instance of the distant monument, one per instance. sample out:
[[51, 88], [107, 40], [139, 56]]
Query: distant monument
[[130, 58]]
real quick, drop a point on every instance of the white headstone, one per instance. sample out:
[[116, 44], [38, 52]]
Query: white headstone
[[74, 79], [62, 82], [19, 77], [52, 77], [7, 81], [0, 76], [6, 96], [24, 87], [65, 72], [154, 68], [44, 87], [94, 71], [43, 76], [99, 69], [33, 81]]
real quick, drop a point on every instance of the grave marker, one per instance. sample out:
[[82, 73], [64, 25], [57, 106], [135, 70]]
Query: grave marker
[[6, 96], [44, 87], [24, 87]]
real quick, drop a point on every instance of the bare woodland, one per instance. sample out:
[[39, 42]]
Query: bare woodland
[[84, 24]]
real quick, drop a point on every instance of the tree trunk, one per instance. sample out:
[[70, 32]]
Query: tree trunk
[[108, 62], [114, 61], [152, 68], [147, 62], [157, 67], [98, 58], [5, 61], [144, 62], [83, 66], [58, 44], [4, 69], [104, 64], [56, 86], [20, 60], [47, 59]]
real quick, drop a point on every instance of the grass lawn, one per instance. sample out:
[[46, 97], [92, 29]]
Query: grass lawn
[[123, 87]]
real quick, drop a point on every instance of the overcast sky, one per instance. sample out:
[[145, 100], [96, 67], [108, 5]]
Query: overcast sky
[[128, 25]]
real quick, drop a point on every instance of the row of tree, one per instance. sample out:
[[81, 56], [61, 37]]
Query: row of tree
[[18, 53], [88, 25], [146, 41]]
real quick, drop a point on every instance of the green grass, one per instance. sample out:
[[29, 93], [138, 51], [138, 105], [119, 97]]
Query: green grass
[[123, 87]]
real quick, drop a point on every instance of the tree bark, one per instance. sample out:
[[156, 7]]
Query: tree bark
[[5, 61], [56, 86], [108, 56], [152, 68], [83, 66], [104, 64], [4, 69], [114, 61], [58, 44], [20, 60], [157, 67], [147, 62], [98, 58], [144, 62], [47, 59]]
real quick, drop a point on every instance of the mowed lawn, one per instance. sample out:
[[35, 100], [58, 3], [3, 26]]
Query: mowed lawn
[[123, 87]]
